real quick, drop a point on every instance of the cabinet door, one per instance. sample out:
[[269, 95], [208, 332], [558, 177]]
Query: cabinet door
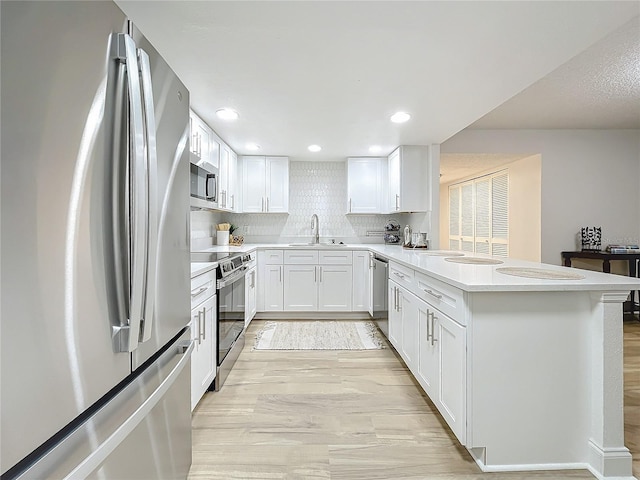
[[277, 185], [428, 363], [409, 312], [364, 185], [250, 295], [395, 317], [232, 184], [253, 184], [452, 353], [223, 199], [273, 288], [203, 360], [393, 202], [335, 287], [361, 282], [300, 288]]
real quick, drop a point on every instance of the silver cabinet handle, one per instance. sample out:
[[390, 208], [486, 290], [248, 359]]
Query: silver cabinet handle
[[399, 275], [428, 334], [397, 202], [280, 270], [233, 201], [199, 291], [433, 327], [349, 205], [262, 204], [399, 300], [267, 204], [315, 274], [204, 323], [199, 327], [432, 293], [395, 299]]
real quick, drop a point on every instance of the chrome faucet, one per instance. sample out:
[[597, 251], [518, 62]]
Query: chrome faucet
[[315, 226]]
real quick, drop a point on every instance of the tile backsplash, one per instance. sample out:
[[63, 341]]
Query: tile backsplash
[[314, 187]]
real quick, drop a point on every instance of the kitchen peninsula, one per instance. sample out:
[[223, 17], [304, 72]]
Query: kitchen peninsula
[[523, 360]]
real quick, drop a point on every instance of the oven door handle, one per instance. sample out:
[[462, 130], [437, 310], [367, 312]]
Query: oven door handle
[[234, 277]]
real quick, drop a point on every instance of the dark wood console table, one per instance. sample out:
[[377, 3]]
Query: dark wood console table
[[606, 257]]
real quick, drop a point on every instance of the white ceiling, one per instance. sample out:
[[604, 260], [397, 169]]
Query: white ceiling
[[332, 72]]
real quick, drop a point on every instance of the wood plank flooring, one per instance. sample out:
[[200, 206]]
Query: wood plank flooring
[[346, 415]]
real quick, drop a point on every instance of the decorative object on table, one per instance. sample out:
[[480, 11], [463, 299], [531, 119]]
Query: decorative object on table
[[222, 233], [319, 335], [591, 239], [392, 232], [630, 248]]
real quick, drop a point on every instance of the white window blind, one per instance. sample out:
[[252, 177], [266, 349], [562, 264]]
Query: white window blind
[[479, 215]]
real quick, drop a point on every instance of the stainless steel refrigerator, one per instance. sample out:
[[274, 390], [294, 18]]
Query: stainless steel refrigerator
[[95, 335]]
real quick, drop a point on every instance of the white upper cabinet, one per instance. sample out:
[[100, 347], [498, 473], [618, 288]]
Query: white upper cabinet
[[200, 143], [265, 184], [228, 179], [409, 180], [365, 184]]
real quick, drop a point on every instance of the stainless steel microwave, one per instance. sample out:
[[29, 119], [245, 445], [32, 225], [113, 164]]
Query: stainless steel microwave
[[204, 186]]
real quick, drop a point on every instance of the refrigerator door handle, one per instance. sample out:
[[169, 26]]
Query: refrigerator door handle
[[126, 337], [151, 181]]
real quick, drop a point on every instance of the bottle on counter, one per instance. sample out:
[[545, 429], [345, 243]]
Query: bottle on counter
[[407, 235]]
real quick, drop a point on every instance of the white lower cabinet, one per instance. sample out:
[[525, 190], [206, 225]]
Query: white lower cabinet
[[273, 288], [434, 348], [361, 298], [203, 358], [250, 296], [300, 287], [334, 288], [325, 288]]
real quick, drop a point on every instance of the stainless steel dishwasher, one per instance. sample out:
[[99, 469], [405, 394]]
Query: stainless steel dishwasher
[[379, 291]]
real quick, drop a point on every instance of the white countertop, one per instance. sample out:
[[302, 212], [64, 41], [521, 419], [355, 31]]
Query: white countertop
[[472, 278], [198, 268]]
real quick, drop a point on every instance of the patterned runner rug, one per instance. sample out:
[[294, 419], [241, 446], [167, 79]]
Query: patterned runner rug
[[319, 335]]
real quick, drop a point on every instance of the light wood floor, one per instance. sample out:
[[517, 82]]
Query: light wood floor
[[346, 415]]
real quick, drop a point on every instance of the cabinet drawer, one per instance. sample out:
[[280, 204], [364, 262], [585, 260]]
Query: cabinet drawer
[[444, 297], [401, 275], [300, 257], [331, 257], [273, 257], [202, 287]]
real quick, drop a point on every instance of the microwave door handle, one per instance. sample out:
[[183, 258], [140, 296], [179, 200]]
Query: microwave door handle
[[211, 180], [151, 182]]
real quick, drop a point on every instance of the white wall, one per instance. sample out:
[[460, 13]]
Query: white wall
[[524, 207], [589, 178]]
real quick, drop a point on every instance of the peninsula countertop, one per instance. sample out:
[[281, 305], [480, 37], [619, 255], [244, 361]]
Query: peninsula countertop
[[470, 277]]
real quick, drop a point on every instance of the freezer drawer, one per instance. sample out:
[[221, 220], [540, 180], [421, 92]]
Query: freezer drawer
[[143, 431]]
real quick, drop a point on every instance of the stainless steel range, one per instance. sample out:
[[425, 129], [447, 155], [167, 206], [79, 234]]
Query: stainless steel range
[[231, 305]]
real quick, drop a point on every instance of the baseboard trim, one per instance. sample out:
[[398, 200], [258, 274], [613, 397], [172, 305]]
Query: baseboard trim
[[478, 456], [610, 463], [312, 316]]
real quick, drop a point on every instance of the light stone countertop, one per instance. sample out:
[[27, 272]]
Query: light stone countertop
[[198, 268], [469, 277]]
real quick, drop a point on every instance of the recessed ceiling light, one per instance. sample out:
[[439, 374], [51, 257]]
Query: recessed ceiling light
[[375, 149], [314, 148], [252, 146], [227, 114], [400, 117]]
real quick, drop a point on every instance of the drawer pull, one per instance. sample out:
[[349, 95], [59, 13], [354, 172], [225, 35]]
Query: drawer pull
[[432, 293], [199, 291], [399, 275]]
